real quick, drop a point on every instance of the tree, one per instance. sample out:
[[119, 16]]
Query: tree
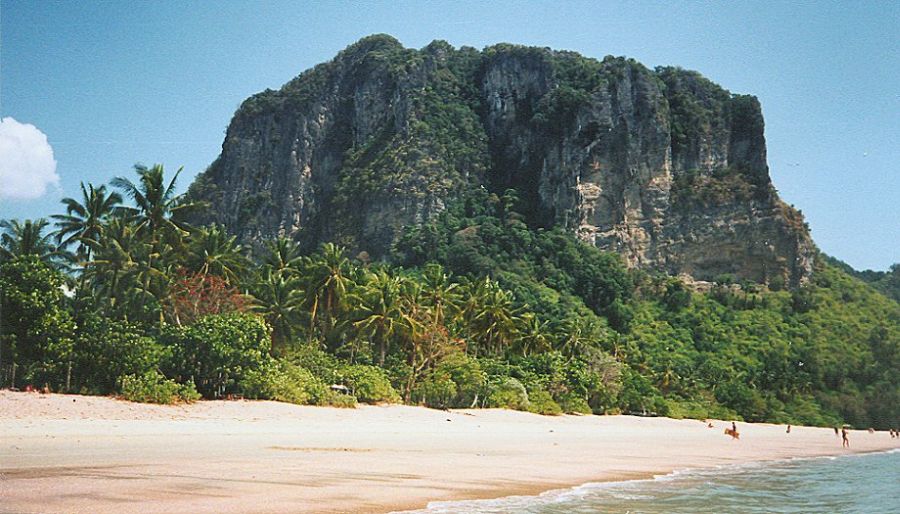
[[282, 256], [36, 330], [84, 221], [326, 277], [380, 310], [157, 217], [157, 206], [218, 351], [490, 316], [192, 296], [279, 298], [211, 251], [28, 238]]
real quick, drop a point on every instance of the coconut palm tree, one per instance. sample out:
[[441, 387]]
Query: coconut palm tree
[[532, 334], [380, 309], [29, 238], [282, 256], [280, 300], [490, 315], [84, 220], [158, 208], [112, 274], [157, 216], [211, 251], [327, 279]]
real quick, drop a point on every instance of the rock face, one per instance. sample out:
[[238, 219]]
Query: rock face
[[662, 166]]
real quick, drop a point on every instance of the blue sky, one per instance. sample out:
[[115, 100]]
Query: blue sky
[[115, 83]]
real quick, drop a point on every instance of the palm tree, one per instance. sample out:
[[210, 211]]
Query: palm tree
[[28, 238], [84, 221], [381, 309], [490, 315], [327, 277], [440, 292], [282, 256], [581, 337], [158, 207], [279, 299], [117, 251], [533, 335], [213, 252], [156, 217]]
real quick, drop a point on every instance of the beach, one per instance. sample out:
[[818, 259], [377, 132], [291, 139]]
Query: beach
[[72, 454]]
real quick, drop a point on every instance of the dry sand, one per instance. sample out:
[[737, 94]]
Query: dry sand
[[72, 454]]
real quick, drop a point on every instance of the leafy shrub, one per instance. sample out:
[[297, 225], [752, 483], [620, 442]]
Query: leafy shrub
[[508, 393], [573, 404], [108, 349], [467, 376], [284, 381], [217, 351], [540, 402], [321, 364], [435, 390], [153, 387], [36, 330], [370, 384]]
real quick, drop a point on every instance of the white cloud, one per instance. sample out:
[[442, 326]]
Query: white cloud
[[27, 165]]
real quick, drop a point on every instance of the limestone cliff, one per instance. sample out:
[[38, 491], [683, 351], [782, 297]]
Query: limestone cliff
[[661, 166]]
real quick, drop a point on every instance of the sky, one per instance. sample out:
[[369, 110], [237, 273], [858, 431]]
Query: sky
[[88, 89]]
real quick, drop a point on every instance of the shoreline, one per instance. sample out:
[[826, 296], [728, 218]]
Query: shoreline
[[69, 453], [672, 475]]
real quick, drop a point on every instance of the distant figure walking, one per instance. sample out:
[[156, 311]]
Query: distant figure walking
[[836, 431], [846, 442], [789, 429], [733, 432]]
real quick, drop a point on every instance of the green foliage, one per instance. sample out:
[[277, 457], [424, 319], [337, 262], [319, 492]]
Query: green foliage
[[571, 403], [369, 384], [540, 402], [507, 393], [217, 351], [107, 349], [36, 330], [153, 387], [285, 382]]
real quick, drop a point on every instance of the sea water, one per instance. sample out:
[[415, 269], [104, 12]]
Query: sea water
[[861, 483]]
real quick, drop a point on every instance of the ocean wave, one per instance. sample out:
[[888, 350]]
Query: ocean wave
[[581, 497]]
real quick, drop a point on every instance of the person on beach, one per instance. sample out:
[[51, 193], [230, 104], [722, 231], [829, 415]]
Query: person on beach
[[845, 443], [733, 431], [789, 429], [836, 431]]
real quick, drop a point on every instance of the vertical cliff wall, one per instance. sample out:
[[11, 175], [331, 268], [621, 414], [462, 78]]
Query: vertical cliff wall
[[662, 166]]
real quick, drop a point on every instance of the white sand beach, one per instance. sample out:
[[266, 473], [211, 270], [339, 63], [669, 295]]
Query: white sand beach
[[74, 454]]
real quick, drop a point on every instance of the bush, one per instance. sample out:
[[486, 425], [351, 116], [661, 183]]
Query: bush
[[321, 364], [508, 393], [284, 381], [218, 351], [370, 384], [467, 376], [435, 390], [540, 402], [36, 330], [153, 387], [108, 349], [574, 404]]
